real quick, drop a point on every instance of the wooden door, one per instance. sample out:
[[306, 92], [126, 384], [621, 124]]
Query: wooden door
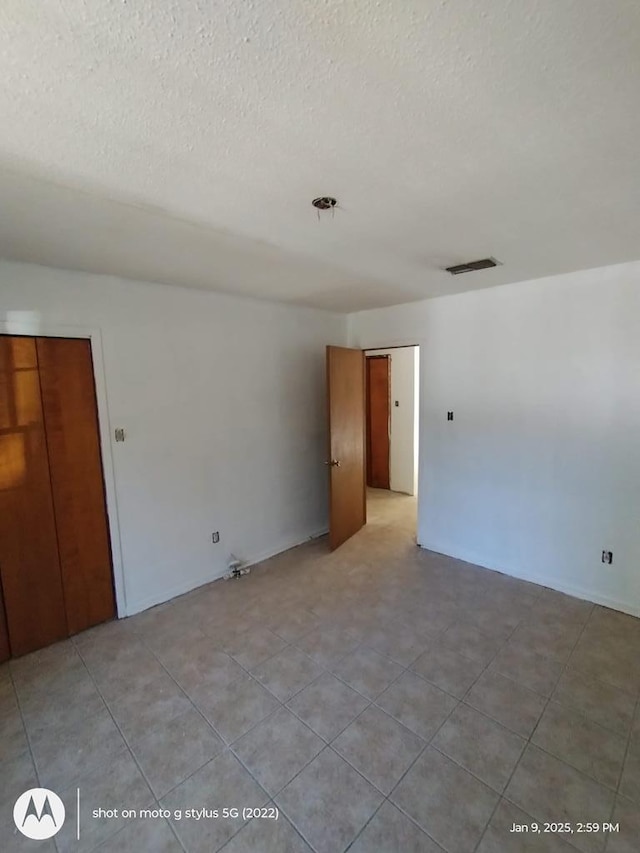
[[71, 420], [29, 564], [346, 410], [378, 421]]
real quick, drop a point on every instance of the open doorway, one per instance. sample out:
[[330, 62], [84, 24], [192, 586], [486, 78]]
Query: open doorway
[[392, 435]]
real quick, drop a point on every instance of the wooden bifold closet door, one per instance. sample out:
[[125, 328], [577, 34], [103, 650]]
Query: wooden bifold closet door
[[29, 562], [55, 560]]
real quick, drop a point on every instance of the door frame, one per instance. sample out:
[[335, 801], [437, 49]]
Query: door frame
[[32, 327], [403, 343]]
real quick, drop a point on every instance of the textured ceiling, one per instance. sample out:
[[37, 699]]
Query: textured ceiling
[[184, 141]]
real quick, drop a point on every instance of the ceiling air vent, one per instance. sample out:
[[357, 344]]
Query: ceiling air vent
[[472, 266]]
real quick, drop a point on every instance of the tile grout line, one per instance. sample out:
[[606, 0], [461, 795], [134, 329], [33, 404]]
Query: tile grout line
[[328, 744], [226, 746], [295, 829], [635, 715], [229, 746], [128, 747], [24, 725], [324, 741], [460, 701], [428, 743], [529, 740], [77, 649], [370, 702], [618, 795]]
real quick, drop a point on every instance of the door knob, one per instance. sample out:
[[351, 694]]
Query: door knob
[[335, 463]]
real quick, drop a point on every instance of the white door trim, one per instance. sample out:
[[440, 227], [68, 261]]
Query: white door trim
[[26, 325]]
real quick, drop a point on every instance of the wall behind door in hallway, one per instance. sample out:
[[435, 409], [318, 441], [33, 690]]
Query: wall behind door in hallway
[[404, 418]]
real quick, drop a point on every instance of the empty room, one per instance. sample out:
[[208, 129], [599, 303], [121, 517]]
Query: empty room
[[320, 426]]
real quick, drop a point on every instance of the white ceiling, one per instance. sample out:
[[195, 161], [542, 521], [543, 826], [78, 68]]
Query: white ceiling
[[183, 141]]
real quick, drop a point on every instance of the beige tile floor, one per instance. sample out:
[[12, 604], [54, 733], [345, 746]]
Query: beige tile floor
[[382, 697]]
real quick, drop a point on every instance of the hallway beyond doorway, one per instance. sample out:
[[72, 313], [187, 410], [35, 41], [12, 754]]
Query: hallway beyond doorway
[[392, 509]]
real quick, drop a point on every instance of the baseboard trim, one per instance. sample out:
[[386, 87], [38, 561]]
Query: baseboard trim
[[193, 583], [542, 580], [285, 546]]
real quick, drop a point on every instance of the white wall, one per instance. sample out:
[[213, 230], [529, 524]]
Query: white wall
[[223, 403], [403, 461], [416, 417], [540, 469]]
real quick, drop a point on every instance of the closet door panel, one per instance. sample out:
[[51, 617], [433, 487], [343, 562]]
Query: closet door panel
[[70, 413], [29, 563], [5, 648]]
